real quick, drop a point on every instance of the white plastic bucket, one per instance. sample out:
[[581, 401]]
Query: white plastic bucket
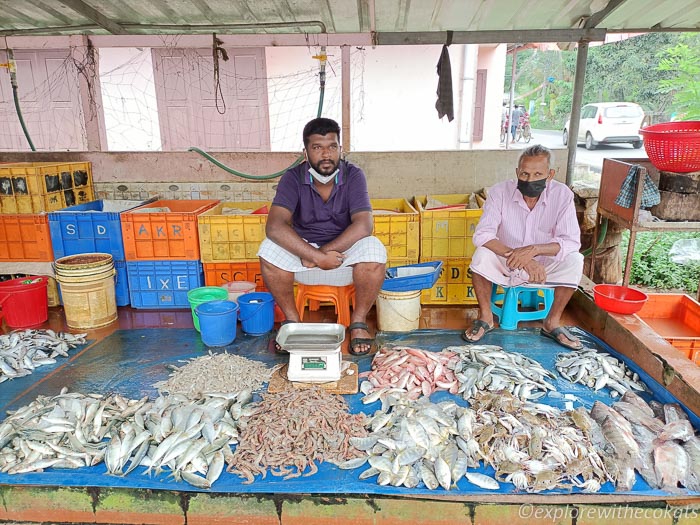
[[236, 288], [398, 311]]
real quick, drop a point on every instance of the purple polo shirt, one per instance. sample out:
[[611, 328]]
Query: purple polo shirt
[[315, 220]]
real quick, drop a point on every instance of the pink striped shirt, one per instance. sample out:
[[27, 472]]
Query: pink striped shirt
[[507, 218]]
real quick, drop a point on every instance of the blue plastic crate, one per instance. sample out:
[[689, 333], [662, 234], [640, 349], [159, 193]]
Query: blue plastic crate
[[163, 284], [121, 285], [412, 277], [91, 227]]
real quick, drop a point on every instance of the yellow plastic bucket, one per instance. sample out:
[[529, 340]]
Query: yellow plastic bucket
[[398, 311], [87, 288]]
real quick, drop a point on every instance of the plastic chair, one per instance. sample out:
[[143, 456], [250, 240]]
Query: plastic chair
[[510, 299], [341, 297]]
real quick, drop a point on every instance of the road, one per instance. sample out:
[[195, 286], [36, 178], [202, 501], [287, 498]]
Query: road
[[593, 158]]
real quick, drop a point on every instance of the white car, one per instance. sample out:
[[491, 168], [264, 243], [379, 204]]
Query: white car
[[608, 123]]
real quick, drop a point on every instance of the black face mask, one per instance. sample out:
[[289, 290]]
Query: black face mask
[[532, 189]]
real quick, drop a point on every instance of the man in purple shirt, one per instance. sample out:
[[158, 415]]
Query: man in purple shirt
[[319, 231], [528, 235]]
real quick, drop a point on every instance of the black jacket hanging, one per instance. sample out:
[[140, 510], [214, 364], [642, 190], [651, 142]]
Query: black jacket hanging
[[444, 104]]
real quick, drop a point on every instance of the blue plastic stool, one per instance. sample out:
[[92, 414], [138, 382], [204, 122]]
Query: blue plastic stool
[[508, 312]]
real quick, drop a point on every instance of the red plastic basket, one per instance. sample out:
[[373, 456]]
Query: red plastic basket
[[673, 146]]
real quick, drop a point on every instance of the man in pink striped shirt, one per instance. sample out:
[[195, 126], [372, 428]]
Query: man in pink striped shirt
[[528, 235]]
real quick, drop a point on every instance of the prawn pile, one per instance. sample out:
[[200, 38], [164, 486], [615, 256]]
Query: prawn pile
[[291, 431]]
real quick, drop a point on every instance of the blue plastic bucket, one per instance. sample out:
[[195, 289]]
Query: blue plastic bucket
[[217, 322], [201, 295], [257, 312]]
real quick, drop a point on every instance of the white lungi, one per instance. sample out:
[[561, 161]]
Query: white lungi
[[566, 272], [367, 249]]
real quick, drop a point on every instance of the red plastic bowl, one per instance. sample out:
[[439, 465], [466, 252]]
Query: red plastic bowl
[[619, 299]]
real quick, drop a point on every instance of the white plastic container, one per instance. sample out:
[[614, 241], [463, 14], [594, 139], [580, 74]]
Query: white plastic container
[[237, 288], [398, 311]]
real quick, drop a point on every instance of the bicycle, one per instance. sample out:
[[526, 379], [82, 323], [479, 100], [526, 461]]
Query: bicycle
[[524, 131], [504, 129]]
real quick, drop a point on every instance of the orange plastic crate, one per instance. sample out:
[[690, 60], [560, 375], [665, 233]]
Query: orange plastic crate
[[216, 274], [163, 230], [25, 237], [676, 318]]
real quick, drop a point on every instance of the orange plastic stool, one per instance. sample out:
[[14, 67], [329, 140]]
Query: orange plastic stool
[[341, 297]]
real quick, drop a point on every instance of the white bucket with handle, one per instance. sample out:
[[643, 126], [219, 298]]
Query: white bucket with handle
[[398, 311]]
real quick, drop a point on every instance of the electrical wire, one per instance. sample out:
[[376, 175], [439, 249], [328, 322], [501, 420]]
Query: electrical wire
[[322, 90]]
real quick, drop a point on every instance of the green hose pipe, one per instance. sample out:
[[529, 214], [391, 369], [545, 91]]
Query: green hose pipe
[[299, 159], [601, 237], [15, 96]]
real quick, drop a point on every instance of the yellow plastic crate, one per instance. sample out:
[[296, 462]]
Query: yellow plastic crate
[[446, 232], [454, 285], [35, 187], [399, 230], [226, 236], [400, 261]]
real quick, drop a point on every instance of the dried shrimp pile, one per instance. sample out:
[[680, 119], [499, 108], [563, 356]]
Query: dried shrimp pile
[[290, 431], [216, 373]]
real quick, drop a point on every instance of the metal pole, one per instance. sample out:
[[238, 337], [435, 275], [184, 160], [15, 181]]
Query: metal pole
[[512, 93], [581, 57], [345, 95]]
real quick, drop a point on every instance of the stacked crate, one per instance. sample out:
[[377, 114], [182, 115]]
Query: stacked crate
[[32, 187], [446, 235], [94, 227], [397, 226], [28, 190], [161, 248], [230, 234]]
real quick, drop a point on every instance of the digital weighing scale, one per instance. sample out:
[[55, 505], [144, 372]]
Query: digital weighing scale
[[314, 351]]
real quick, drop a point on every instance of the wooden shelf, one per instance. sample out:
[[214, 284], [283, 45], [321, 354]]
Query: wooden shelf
[[613, 175]]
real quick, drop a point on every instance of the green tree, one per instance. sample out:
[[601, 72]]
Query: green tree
[[682, 61], [629, 70]]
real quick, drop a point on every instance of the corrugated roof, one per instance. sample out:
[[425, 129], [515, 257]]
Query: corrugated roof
[[424, 17]]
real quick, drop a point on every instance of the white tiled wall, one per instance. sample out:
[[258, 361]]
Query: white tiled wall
[[227, 192]]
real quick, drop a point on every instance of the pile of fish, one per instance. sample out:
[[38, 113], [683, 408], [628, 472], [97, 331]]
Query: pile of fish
[[408, 370], [22, 351], [464, 370], [536, 447], [291, 431], [62, 431], [222, 372], [189, 437], [656, 440], [489, 368], [598, 370]]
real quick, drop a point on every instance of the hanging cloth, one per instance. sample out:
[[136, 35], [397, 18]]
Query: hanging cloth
[[650, 193], [444, 104]]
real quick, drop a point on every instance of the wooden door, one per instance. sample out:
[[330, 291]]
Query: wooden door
[[194, 111], [48, 91], [479, 104]]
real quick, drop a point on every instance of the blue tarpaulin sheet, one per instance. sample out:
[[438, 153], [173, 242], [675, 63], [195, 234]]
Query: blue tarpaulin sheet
[[129, 362]]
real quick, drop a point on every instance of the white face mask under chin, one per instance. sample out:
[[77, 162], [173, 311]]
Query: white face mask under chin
[[320, 178]]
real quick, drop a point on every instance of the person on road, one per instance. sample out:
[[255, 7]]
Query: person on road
[[319, 231], [528, 235], [515, 121]]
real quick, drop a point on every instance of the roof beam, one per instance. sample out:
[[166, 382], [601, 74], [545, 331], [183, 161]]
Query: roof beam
[[325, 39], [598, 17], [491, 37], [91, 13]]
